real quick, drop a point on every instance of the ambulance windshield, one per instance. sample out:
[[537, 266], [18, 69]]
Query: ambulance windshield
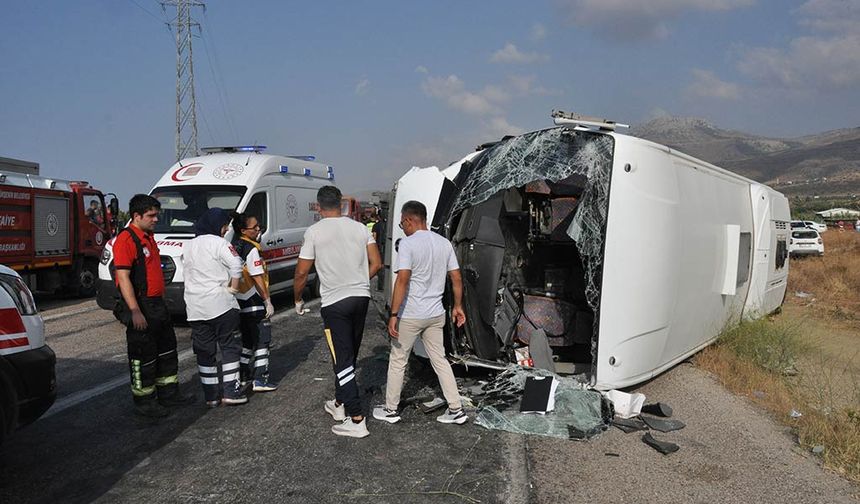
[[181, 206]]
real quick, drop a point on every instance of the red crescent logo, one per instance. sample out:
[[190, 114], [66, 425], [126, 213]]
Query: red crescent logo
[[188, 171]]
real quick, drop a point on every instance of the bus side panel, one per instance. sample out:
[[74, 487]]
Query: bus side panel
[[640, 269], [667, 250]]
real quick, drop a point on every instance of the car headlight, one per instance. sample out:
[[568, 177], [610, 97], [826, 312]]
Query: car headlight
[[105, 256]]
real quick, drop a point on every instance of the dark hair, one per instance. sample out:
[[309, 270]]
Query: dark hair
[[142, 203], [240, 221], [415, 209], [329, 197]]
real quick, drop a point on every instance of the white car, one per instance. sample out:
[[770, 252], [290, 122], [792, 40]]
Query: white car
[[805, 241], [27, 381], [818, 226]]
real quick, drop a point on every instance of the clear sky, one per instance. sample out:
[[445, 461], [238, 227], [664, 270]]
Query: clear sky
[[87, 87]]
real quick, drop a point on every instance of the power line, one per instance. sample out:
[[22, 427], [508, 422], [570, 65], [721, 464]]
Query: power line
[[219, 88], [217, 76], [186, 105], [144, 9], [215, 139]]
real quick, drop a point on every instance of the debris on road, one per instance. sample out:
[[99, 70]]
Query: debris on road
[[663, 425], [628, 425], [435, 404], [626, 405], [795, 414], [579, 413], [539, 395], [802, 295], [663, 447], [658, 409]]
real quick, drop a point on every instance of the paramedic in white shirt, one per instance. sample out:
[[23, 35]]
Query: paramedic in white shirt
[[208, 262], [346, 258], [255, 304], [424, 260]]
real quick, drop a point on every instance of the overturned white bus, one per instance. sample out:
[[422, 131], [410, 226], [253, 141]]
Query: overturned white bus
[[622, 256]]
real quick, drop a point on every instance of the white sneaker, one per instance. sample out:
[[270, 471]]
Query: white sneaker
[[336, 412], [453, 417], [385, 414], [351, 429]]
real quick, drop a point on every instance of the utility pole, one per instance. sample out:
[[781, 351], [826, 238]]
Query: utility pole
[[186, 104]]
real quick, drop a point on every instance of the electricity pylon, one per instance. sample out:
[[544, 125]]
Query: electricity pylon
[[186, 104]]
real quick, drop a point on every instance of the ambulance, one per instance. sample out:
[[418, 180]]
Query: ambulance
[[279, 190], [612, 257]]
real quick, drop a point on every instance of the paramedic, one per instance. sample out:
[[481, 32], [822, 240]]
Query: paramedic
[[152, 358], [424, 260], [255, 304], [346, 258], [213, 314]]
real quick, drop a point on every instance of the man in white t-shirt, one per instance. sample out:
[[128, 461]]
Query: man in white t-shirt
[[346, 258], [423, 262]]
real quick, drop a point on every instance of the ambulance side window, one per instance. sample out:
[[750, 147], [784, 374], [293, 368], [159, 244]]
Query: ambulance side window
[[257, 208]]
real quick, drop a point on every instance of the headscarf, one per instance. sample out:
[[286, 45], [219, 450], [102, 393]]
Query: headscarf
[[211, 222]]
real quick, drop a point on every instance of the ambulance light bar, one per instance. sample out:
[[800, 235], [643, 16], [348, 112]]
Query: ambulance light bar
[[308, 171], [234, 148]]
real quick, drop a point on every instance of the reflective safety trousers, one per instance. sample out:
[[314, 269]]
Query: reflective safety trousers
[[152, 359]]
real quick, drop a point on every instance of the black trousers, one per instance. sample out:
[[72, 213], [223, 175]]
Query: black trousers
[[206, 337], [344, 328], [152, 360], [256, 340]]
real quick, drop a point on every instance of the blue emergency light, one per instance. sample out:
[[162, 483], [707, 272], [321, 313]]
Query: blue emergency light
[[285, 169], [250, 148]]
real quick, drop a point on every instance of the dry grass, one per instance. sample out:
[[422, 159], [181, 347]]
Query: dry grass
[[834, 279], [807, 358]]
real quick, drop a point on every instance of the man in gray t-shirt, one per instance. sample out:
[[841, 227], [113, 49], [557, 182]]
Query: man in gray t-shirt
[[424, 260], [346, 258]]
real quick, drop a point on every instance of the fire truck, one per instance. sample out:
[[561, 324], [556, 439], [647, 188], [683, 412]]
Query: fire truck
[[52, 231]]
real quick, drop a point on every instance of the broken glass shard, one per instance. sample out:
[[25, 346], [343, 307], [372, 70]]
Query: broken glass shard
[[579, 413]]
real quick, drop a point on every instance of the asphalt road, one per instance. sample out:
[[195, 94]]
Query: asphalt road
[[278, 448]]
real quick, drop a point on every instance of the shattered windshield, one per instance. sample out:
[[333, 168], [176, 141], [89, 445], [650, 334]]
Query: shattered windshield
[[182, 206], [552, 154]]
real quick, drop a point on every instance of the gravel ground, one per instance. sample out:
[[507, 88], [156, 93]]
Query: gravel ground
[[731, 452]]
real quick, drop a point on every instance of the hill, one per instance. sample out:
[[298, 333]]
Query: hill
[[824, 164]]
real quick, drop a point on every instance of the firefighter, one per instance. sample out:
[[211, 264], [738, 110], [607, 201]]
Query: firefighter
[[152, 358], [255, 305], [213, 314]]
